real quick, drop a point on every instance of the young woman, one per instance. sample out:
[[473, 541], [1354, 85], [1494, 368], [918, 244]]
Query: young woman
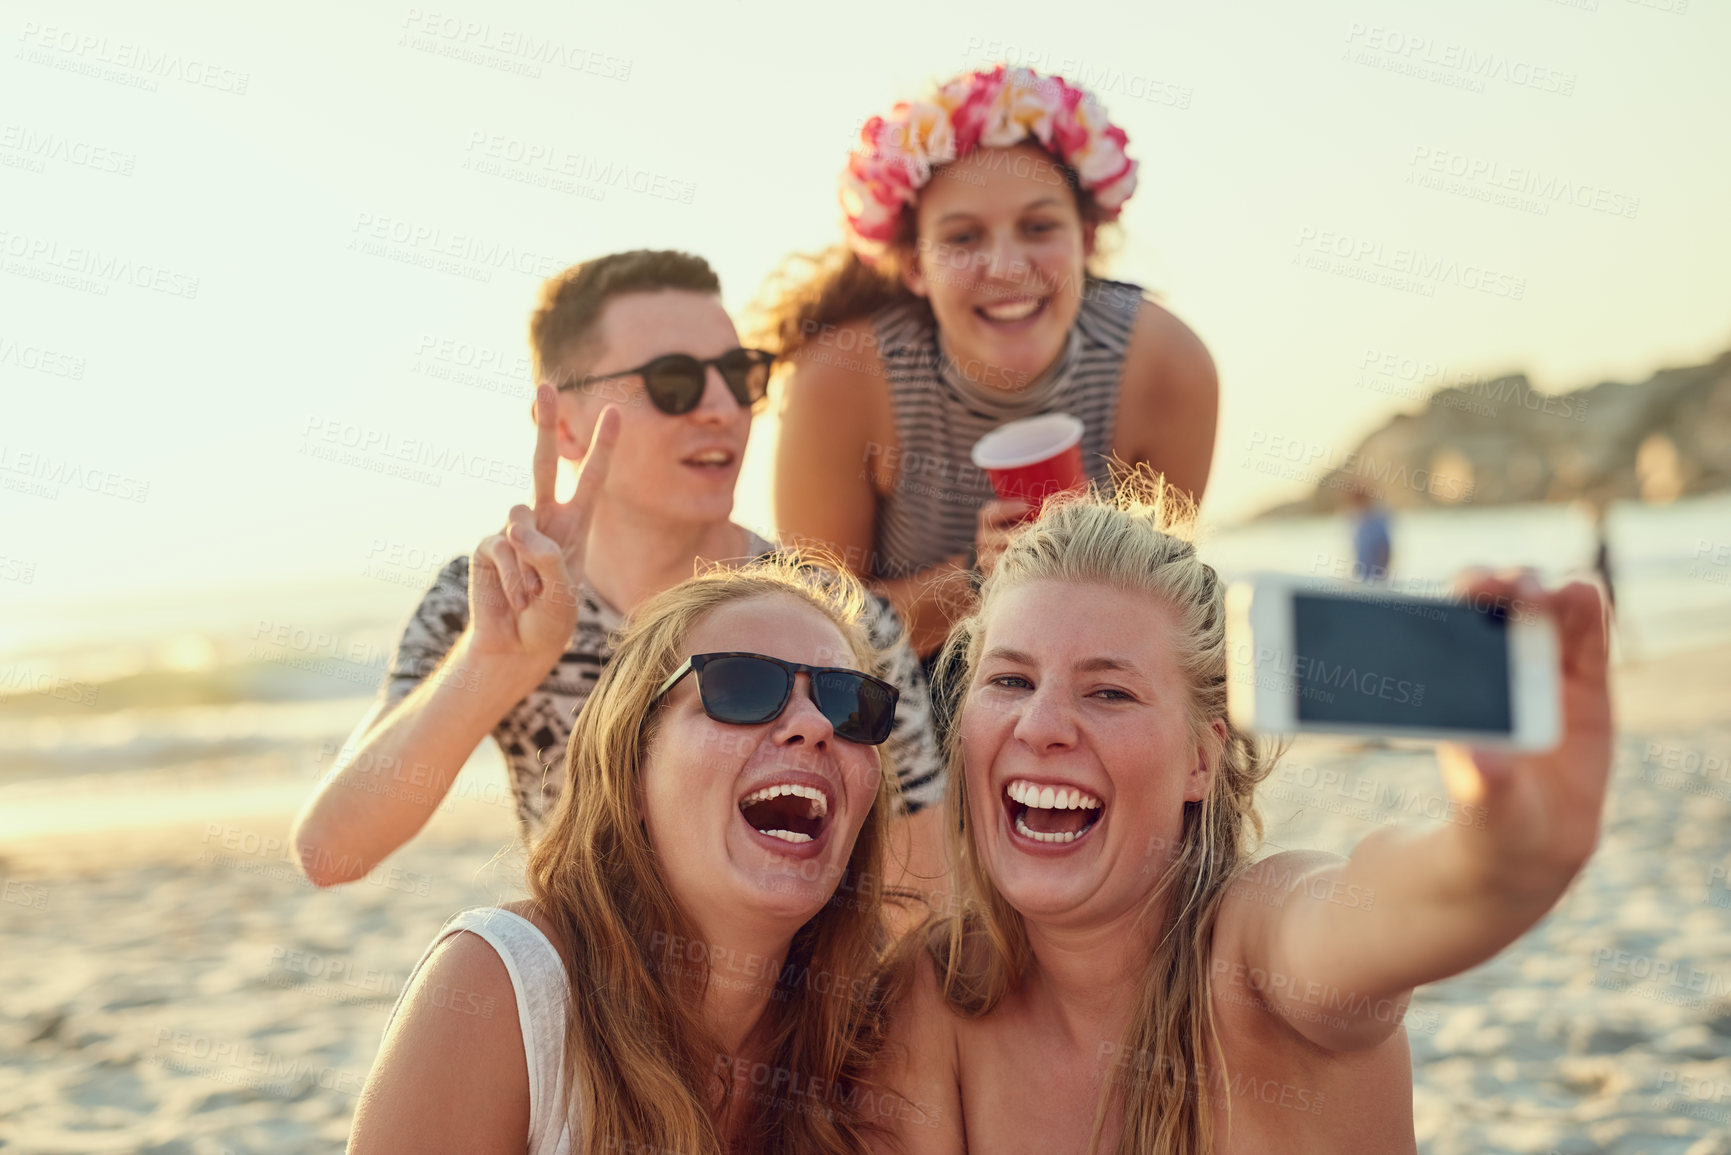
[[963, 300], [693, 972], [1116, 953]]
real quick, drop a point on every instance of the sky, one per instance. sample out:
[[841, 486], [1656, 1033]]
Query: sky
[[255, 263]]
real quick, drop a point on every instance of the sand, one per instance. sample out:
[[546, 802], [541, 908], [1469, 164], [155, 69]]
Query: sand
[[171, 985]]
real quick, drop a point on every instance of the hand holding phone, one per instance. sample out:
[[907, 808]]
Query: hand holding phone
[[1524, 719], [1543, 807]]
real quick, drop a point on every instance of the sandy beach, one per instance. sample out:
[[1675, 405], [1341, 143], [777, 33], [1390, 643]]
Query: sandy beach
[[173, 986]]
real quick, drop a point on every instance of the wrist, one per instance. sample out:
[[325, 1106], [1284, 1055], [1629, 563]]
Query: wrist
[[505, 675]]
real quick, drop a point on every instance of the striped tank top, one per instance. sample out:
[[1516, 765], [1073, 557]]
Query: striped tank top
[[939, 414]]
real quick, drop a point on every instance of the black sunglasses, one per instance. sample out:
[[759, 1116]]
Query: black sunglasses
[[675, 381], [749, 689]]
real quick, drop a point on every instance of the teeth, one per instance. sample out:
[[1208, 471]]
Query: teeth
[[819, 804], [713, 457], [1022, 828], [788, 835], [1050, 798], [1011, 312]]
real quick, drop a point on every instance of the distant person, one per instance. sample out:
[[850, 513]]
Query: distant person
[[962, 300], [646, 329], [1371, 548], [1602, 552]]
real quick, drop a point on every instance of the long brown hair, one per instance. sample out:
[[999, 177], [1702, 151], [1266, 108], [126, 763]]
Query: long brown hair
[[642, 1072], [1137, 541]]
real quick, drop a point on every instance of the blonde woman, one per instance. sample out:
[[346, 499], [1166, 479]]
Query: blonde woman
[[1119, 976], [693, 972]]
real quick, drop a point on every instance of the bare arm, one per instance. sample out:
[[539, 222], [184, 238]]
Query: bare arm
[[522, 613], [1170, 400], [835, 453], [1407, 908], [451, 1075], [395, 770]]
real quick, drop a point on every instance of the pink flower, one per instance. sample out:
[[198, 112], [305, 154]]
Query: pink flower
[[999, 108]]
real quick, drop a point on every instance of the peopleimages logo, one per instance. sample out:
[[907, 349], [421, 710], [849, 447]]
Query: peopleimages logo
[[87, 52], [1456, 65], [1373, 256], [1495, 176]]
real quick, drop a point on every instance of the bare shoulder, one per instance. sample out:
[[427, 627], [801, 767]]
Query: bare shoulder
[[1256, 897], [840, 360], [921, 1066], [1166, 353], [1168, 399], [835, 410], [1288, 1091], [451, 1074]]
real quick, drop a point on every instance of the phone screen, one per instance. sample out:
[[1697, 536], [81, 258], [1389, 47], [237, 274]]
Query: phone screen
[[1400, 662]]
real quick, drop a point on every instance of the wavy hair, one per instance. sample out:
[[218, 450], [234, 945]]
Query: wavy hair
[[1139, 541], [644, 1074]]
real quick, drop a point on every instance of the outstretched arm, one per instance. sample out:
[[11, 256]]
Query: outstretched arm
[[1355, 937]]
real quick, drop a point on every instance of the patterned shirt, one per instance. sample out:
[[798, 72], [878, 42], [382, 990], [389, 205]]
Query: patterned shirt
[[534, 733]]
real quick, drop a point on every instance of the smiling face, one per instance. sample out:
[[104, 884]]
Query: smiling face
[[671, 469], [1001, 252], [712, 792], [1078, 755]]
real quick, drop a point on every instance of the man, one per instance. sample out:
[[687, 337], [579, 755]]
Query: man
[[646, 331]]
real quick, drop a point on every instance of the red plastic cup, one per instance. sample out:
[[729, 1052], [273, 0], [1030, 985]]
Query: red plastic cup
[[1034, 458]]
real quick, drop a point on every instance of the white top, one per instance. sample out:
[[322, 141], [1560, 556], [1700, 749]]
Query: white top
[[539, 982]]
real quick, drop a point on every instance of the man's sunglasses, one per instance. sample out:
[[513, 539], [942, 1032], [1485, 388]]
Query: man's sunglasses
[[675, 381], [749, 689]]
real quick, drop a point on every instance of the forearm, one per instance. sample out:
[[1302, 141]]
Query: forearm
[[1411, 907], [384, 788], [930, 601]]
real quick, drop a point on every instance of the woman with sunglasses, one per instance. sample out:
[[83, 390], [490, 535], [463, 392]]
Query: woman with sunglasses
[[964, 300], [704, 907], [644, 333], [1117, 946]]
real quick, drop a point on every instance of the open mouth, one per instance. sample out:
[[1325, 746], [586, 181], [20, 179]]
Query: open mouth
[[1021, 310], [1056, 815], [789, 811], [717, 459]]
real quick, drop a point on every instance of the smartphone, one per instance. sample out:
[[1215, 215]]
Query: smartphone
[[1308, 655]]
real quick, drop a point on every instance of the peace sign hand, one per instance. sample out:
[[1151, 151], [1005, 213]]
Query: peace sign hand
[[523, 581]]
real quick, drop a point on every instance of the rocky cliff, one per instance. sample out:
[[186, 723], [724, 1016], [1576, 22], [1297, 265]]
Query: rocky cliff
[[1496, 441]]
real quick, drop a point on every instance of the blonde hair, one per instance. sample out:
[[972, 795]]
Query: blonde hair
[[1136, 541], [645, 1075]]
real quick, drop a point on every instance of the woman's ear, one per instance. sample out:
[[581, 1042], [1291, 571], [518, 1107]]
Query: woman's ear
[[1089, 229], [913, 273], [1207, 764]]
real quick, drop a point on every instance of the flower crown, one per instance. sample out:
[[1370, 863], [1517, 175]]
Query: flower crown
[[995, 109]]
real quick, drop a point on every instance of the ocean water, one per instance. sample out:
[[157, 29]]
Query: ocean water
[[264, 685]]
